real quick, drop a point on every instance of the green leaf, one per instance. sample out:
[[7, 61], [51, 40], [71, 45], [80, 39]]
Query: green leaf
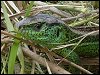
[[28, 9], [7, 20], [12, 57]]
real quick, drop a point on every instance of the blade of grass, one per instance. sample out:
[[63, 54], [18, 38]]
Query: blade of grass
[[24, 4], [39, 68], [7, 20], [21, 59], [12, 57], [48, 68], [11, 12], [11, 3], [4, 61], [28, 9], [83, 21]]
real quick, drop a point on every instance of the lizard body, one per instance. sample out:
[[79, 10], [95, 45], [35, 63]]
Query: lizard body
[[51, 32]]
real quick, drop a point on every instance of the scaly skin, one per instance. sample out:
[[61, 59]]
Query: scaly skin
[[54, 33]]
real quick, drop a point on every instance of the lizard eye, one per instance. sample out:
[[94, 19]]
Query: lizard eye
[[37, 26]]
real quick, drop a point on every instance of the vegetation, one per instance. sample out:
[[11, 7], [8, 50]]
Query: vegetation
[[22, 56]]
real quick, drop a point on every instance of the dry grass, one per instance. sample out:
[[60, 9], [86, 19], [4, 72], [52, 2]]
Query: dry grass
[[73, 13]]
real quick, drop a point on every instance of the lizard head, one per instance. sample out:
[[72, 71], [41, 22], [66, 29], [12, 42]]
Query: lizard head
[[42, 28], [39, 18]]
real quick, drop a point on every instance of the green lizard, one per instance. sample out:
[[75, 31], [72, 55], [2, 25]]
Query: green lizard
[[49, 31]]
